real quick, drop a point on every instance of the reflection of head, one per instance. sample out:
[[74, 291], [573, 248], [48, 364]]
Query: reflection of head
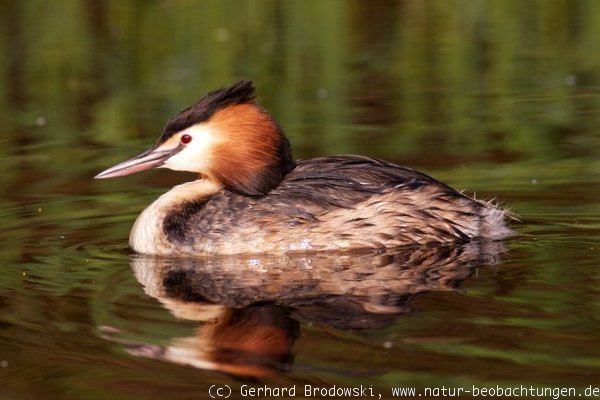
[[246, 302], [253, 342]]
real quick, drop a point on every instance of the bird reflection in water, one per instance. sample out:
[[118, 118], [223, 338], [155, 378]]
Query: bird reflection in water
[[249, 309]]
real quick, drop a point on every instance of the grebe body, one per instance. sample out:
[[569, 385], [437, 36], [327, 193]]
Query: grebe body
[[252, 197]]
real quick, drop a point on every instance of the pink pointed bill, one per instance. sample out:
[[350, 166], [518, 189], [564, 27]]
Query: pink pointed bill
[[149, 159]]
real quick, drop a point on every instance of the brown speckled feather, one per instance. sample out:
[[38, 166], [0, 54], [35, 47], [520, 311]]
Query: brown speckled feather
[[333, 203]]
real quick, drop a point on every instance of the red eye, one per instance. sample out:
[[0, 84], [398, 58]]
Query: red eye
[[185, 139]]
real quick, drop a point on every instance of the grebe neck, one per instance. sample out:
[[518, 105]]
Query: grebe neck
[[147, 234]]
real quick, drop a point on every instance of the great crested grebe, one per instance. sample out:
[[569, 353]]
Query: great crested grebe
[[252, 197]]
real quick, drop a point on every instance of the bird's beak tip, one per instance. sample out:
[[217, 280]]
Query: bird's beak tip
[[108, 173]]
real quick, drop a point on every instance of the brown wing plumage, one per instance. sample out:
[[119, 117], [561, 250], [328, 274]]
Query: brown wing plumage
[[339, 202]]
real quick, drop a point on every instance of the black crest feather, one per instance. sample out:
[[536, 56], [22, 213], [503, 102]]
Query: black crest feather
[[239, 93]]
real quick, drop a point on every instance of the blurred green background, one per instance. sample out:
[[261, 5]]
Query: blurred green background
[[497, 80], [498, 97]]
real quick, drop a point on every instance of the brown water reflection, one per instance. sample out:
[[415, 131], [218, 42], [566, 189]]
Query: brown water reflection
[[250, 307]]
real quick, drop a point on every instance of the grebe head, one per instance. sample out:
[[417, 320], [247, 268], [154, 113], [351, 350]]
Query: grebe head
[[225, 137]]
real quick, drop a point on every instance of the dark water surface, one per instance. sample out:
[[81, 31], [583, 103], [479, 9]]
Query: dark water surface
[[497, 98]]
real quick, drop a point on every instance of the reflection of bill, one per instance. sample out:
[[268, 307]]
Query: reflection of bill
[[249, 307], [253, 341]]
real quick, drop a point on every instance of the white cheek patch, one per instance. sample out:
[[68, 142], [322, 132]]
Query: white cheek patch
[[197, 154]]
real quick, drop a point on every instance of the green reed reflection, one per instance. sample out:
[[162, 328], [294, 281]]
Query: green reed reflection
[[519, 75]]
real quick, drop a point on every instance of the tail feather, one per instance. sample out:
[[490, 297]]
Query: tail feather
[[494, 221]]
